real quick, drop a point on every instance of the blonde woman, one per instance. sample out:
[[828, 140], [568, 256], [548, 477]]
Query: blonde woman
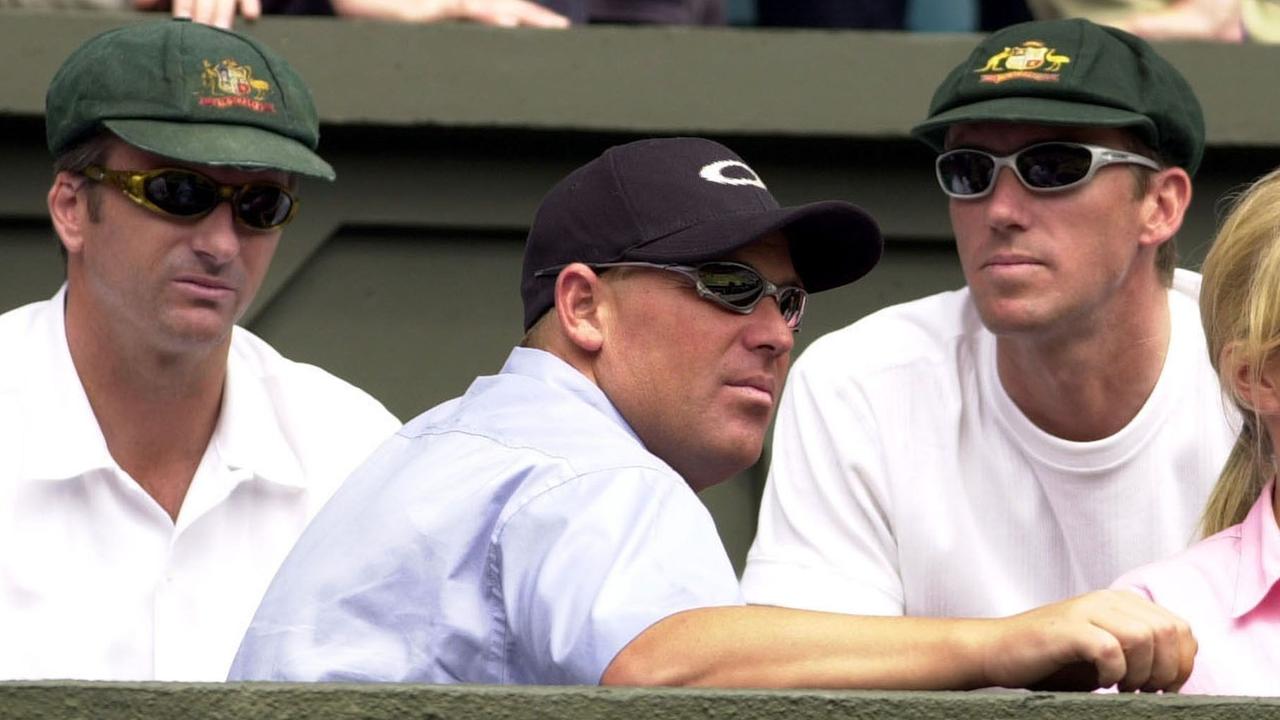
[[1223, 585]]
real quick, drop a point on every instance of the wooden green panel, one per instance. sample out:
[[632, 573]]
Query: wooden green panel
[[30, 266], [637, 80], [410, 319]]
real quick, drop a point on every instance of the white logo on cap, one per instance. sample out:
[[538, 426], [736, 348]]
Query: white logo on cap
[[714, 172]]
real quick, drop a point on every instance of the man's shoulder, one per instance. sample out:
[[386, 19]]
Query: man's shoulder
[[289, 383], [918, 332], [21, 315], [1186, 283], [21, 322], [25, 334], [554, 427], [509, 443]]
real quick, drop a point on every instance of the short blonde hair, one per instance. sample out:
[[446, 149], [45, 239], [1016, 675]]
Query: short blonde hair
[[1240, 310]]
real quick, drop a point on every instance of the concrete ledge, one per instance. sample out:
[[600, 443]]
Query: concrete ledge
[[139, 701]]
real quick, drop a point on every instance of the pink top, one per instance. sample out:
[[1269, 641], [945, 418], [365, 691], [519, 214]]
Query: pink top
[[1223, 587]]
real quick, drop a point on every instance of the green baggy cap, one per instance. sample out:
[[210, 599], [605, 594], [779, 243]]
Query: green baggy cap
[[1071, 72], [190, 92]]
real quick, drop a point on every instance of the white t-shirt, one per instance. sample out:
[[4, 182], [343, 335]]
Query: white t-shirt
[[96, 581], [904, 480]]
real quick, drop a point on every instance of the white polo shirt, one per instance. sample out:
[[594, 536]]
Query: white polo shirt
[[96, 581]]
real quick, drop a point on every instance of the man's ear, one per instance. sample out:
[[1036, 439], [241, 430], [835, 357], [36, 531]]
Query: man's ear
[[580, 307], [1262, 393], [1165, 205], [69, 210]]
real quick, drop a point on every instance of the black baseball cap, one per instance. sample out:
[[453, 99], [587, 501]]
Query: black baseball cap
[[684, 200], [1075, 73]]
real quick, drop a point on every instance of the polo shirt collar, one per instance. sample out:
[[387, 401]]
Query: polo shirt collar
[[1259, 555], [550, 369], [63, 439], [249, 436], [62, 435]]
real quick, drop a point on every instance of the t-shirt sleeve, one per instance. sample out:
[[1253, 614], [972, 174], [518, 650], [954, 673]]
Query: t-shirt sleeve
[[825, 537], [588, 565]]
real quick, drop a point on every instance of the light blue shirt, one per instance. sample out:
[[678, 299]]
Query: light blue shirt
[[518, 534]]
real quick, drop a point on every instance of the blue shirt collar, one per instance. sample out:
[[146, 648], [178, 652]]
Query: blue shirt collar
[[549, 368]]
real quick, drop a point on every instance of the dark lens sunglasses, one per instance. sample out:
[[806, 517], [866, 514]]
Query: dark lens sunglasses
[[733, 286], [966, 173], [186, 194]]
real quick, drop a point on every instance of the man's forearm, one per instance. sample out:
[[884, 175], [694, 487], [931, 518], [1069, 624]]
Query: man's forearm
[[1123, 638]]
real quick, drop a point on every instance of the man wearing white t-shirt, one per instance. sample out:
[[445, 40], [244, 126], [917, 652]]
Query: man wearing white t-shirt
[[1056, 422], [157, 462]]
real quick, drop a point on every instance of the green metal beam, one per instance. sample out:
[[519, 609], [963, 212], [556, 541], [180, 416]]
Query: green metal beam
[[870, 85]]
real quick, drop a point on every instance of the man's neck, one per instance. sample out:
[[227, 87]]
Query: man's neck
[[1090, 383], [157, 410]]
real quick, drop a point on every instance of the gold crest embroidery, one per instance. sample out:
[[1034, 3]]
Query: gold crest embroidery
[[230, 84], [1032, 60]]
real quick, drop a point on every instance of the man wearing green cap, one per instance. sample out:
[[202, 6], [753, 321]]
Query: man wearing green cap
[[1056, 422], [157, 462]]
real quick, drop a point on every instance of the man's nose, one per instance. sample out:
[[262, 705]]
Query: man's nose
[[1007, 202], [769, 330], [216, 236]]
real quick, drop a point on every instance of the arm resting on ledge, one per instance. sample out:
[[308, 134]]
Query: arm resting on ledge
[[1094, 640]]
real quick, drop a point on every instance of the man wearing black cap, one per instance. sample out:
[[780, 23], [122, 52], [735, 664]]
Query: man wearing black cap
[[1055, 423], [543, 527], [157, 462]]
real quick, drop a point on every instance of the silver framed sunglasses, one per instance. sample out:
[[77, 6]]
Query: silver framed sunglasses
[[731, 285], [969, 173]]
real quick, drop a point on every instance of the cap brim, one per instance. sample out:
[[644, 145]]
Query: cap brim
[[242, 146], [1041, 111], [832, 243]]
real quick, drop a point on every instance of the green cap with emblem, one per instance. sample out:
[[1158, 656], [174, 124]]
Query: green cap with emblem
[[1071, 72], [189, 92]]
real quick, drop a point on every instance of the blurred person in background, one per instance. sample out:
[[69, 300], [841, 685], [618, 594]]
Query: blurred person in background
[[1217, 20], [501, 13]]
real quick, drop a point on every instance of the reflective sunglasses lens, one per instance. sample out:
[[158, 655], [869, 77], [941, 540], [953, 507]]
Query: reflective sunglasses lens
[[181, 193], [965, 172], [263, 206], [791, 303], [738, 286], [1054, 165]]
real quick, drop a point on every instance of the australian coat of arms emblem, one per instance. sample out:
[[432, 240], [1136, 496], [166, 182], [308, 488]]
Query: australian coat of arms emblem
[[1032, 60], [227, 83]]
